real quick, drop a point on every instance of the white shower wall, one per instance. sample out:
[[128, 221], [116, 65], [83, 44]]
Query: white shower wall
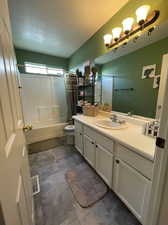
[[44, 100]]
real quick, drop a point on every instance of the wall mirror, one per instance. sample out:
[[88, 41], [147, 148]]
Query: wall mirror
[[133, 87]]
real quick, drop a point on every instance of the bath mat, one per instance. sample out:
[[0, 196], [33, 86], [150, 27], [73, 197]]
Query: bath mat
[[86, 185]]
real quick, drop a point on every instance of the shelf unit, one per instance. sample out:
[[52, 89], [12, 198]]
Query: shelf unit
[[85, 89]]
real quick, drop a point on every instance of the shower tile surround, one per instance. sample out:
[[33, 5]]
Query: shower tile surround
[[55, 204]]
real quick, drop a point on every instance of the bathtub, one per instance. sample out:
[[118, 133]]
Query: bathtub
[[46, 132]]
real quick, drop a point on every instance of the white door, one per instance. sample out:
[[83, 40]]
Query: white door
[[79, 141], [89, 150], [26, 181], [104, 164], [157, 212], [14, 195], [133, 188]]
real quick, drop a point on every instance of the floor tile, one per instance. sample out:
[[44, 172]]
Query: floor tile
[[55, 204]]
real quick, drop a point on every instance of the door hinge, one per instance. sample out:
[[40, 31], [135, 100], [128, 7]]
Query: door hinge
[[160, 142]]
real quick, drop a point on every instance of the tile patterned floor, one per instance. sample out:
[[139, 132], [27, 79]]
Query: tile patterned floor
[[55, 204]]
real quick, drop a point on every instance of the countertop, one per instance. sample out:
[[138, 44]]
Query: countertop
[[130, 137]]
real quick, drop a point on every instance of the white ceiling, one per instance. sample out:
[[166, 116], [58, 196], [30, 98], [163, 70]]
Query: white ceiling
[[58, 27], [159, 33]]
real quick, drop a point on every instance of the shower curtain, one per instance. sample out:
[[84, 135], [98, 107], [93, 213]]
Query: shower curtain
[[44, 99]]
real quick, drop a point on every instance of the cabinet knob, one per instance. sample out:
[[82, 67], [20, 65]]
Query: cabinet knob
[[92, 143], [80, 134], [117, 161], [96, 146]]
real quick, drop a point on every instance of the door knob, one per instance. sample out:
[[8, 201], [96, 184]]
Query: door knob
[[117, 161], [27, 128]]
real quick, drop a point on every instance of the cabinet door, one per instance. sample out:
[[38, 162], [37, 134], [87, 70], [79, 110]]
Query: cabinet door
[[133, 189], [89, 150], [104, 164], [79, 141]]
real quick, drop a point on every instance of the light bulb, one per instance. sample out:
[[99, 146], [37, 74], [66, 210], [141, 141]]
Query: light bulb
[[107, 39], [116, 33], [142, 13], [127, 24]]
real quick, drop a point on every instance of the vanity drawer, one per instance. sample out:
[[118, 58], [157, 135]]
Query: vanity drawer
[[100, 139], [89, 132], [144, 166], [78, 127]]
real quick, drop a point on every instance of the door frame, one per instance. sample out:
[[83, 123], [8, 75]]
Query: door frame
[[161, 154]]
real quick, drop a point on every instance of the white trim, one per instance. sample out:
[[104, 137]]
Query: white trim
[[35, 182], [161, 154], [162, 88]]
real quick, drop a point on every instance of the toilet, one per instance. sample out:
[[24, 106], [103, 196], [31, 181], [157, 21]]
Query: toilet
[[69, 132]]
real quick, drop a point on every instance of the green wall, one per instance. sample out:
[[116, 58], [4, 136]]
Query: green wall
[[142, 101], [29, 56], [94, 47]]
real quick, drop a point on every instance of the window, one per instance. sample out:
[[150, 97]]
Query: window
[[35, 68], [42, 69], [55, 71]]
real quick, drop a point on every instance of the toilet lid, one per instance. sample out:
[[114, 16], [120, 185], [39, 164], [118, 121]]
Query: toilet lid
[[70, 128]]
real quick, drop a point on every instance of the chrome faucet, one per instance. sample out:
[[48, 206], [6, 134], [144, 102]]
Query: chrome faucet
[[114, 118], [130, 114]]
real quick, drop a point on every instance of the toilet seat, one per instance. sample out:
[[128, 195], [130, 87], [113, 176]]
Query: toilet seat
[[69, 128]]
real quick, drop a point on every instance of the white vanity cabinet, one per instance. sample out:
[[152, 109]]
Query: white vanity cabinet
[[99, 158], [130, 184], [125, 171], [89, 150], [79, 137], [98, 151], [104, 164], [79, 142]]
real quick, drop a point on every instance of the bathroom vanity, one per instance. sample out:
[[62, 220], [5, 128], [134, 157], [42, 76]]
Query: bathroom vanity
[[123, 158]]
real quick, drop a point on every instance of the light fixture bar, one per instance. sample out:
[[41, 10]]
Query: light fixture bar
[[150, 20]]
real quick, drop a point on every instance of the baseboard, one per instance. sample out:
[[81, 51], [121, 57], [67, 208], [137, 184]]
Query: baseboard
[[45, 145]]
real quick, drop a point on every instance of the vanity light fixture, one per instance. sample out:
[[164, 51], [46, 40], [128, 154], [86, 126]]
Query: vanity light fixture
[[151, 30], [116, 33], [107, 39], [142, 13], [127, 25], [144, 19]]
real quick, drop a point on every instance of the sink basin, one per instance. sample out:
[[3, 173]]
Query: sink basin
[[108, 124]]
